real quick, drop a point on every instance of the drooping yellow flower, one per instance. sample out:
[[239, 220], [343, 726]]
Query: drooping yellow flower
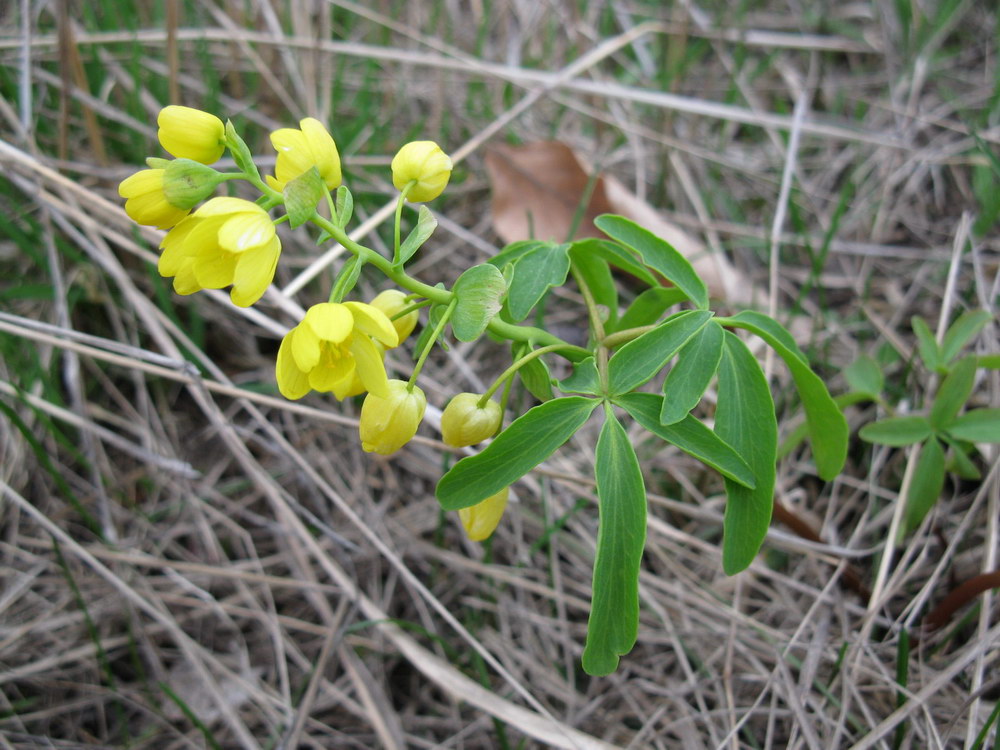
[[463, 422], [331, 347], [191, 134], [425, 163], [226, 241], [146, 203], [299, 150], [389, 422], [481, 519], [392, 302]]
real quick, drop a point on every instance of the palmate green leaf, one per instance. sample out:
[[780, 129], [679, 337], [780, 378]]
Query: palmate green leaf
[[864, 375], [828, 430], [963, 330], [614, 608], [697, 362], [927, 346], [535, 374], [977, 426], [529, 440], [649, 306], [596, 274], [615, 255], [584, 379], [690, 435], [744, 418], [953, 392], [301, 196], [426, 224], [480, 291], [640, 359], [897, 431], [926, 485], [657, 254], [536, 272]]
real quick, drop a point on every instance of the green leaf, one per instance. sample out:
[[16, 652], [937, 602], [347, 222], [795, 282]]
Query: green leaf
[[657, 254], [614, 608], [977, 426], [347, 278], [964, 329], [344, 206], [953, 392], [649, 306], [926, 344], [614, 254], [426, 224], [510, 253], [960, 463], [690, 435], [744, 418], [697, 363], [828, 430], [897, 431], [480, 292], [534, 375], [535, 273], [584, 379], [989, 361], [433, 318], [301, 196], [529, 440], [596, 274], [640, 359], [925, 488], [241, 153], [864, 375]]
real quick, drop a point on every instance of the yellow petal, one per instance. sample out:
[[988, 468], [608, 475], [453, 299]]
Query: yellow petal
[[224, 204], [254, 273], [215, 270], [243, 231], [184, 280], [292, 382], [175, 248], [142, 182], [305, 347], [325, 376], [481, 519], [371, 369], [347, 387], [330, 321], [374, 322], [274, 184]]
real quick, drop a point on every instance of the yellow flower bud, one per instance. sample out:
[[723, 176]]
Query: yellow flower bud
[[146, 202], [191, 134], [300, 150], [387, 424], [425, 163], [392, 302], [481, 519], [463, 422]]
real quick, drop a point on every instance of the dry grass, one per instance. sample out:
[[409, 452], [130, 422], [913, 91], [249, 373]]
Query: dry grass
[[263, 583]]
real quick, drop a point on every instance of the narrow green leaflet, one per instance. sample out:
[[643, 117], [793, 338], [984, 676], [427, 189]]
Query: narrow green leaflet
[[529, 440], [534, 375], [953, 392], [657, 254], [965, 327], [864, 375], [426, 224], [960, 463], [640, 359], [977, 426], [697, 363], [344, 206], [690, 435], [240, 151], [480, 291], [930, 353], [513, 251], [614, 608], [584, 379], [650, 305], [926, 486], [897, 431], [596, 274], [535, 273], [828, 430], [301, 196], [614, 254], [744, 418]]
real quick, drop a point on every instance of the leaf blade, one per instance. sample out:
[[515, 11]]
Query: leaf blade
[[534, 274], [479, 291], [897, 431], [697, 362], [425, 226], [977, 426], [640, 359]]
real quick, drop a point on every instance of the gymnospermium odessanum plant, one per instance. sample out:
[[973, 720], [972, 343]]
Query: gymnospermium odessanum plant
[[339, 346]]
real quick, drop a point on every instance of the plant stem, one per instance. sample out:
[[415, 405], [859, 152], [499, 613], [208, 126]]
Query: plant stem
[[438, 330], [623, 337], [596, 325], [398, 219], [509, 372]]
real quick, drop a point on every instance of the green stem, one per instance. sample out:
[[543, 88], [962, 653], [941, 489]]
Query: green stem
[[509, 372], [596, 325], [623, 337], [438, 330], [399, 215]]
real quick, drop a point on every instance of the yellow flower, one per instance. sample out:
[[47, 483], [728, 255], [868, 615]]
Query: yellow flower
[[191, 134], [226, 241], [481, 519], [425, 163], [146, 203], [298, 150], [333, 345], [392, 302], [463, 422], [388, 422]]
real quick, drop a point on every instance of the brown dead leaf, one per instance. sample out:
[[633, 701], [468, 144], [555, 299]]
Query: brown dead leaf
[[539, 186]]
